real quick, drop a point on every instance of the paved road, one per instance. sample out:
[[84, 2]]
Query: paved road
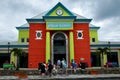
[[67, 77]]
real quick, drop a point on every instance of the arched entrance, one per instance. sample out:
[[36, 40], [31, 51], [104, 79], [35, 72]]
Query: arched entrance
[[59, 47]]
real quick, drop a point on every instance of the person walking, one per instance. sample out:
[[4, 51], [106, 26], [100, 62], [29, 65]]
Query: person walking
[[50, 68], [58, 64], [74, 65], [54, 71], [64, 66], [43, 69]]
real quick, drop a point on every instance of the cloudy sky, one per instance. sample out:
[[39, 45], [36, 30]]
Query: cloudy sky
[[105, 13]]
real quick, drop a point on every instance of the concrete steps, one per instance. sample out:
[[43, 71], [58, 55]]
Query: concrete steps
[[69, 71], [66, 77]]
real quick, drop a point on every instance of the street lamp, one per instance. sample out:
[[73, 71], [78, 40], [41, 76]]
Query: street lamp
[[109, 47], [8, 48]]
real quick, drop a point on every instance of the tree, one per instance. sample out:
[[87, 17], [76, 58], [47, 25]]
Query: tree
[[18, 53], [102, 51]]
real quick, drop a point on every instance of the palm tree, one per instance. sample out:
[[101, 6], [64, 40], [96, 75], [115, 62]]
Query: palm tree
[[102, 51], [18, 53]]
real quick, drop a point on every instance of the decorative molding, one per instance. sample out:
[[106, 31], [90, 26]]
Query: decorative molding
[[59, 17], [52, 46], [82, 20], [80, 34], [38, 34], [94, 28], [35, 20], [22, 28]]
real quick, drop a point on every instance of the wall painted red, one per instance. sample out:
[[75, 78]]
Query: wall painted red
[[82, 46], [36, 47]]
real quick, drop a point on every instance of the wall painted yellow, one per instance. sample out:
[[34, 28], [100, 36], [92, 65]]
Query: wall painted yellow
[[47, 46], [54, 12], [93, 34], [23, 34], [71, 46], [105, 59], [13, 58], [118, 57]]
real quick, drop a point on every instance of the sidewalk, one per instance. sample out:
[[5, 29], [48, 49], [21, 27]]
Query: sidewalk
[[67, 77]]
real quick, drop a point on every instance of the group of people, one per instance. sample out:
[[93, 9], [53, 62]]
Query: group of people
[[50, 68], [60, 64], [42, 67]]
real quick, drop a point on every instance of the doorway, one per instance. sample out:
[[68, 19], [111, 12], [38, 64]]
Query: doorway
[[3, 58], [24, 61], [95, 59], [59, 47], [113, 57]]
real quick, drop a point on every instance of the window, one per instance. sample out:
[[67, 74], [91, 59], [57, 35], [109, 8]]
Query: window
[[38, 34], [93, 39], [27, 40], [79, 34], [22, 40]]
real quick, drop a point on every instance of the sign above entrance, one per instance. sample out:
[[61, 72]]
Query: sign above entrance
[[59, 25]]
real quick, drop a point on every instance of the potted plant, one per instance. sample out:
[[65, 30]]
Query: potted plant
[[94, 72], [16, 73], [23, 74]]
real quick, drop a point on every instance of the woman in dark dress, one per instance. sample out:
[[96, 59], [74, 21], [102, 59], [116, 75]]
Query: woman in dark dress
[[42, 69], [50, 67]]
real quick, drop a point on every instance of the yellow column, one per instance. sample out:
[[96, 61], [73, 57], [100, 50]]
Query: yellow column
[[13, 58], [105, 59], [118, 57], [47, 46], [71, 40]]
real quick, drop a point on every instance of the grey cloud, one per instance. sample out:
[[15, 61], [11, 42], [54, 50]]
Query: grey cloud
[[104, 9], [14, 12], [15, 6], [110, 30]]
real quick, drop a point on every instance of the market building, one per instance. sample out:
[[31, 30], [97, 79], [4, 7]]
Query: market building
[[57, 34]]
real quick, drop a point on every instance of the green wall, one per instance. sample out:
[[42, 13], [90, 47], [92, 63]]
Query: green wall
[[93, 34], [23, 34]]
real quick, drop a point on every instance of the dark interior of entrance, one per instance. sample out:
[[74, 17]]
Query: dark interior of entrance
[[24, 61], [112, 57], [4, 58], [59, 57], [95, 59], [59, 47]]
